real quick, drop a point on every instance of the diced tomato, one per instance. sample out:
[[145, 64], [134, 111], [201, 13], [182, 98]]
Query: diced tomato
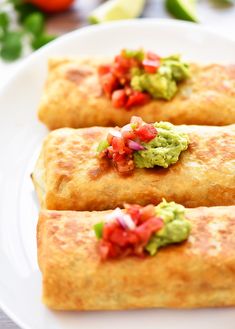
[[119, 237], [120, 241], [146, 132], [118, 145], [119, 98], [152, 56], [133, 238], [134, 212], [118, 157], [121, 66], [151, 66], [121, 72], [104, 69], [108, 229], [128, 134], [125, 62], [126, 166], [149, 227], [118, 75], [107, 250], [109, 83], [147, 212], [137, 98]]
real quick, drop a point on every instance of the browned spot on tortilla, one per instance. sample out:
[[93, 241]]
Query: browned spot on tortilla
[[61, 181], [203, 234], [221, 147], [228, 193], [55, 215], [67, 165], [91, 133], [78, 75], [52, 228], [97, 172]]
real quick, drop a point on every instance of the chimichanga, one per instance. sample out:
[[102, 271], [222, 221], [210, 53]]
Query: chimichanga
[[197, 273], [73, 97], [69, 176]]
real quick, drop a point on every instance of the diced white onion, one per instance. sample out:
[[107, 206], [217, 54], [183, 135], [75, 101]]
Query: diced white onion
[[115, 133], [125, 220]]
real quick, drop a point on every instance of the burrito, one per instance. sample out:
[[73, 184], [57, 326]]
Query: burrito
[[198, 272], [76, 96], [192, 165]]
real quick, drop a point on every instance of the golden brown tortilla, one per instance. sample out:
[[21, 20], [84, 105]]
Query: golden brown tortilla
[[69, 176], [73, 98], [197, 273]]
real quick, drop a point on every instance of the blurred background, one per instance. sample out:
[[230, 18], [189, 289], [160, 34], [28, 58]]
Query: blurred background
[[26, 25]]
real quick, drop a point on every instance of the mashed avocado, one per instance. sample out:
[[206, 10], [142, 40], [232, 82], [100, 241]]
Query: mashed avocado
[[162, 84], [176, 228], [164, 149]]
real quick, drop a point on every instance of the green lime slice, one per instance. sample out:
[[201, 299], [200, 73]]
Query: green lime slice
[[117, 9], [183, 9], [229, 2]]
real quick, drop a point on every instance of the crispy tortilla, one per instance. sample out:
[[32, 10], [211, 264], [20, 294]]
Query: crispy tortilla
[[69, 176], [73, 97], [197, 273]]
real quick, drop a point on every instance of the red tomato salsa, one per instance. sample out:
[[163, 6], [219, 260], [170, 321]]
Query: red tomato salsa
[[116, 77], [128, 231], [122, 142]]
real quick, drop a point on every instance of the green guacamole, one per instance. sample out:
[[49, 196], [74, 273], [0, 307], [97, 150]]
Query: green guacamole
[[164, 149], [162, 84], [176, 228]]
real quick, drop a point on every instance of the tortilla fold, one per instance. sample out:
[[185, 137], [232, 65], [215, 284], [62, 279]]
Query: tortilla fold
[[197, 273], [69, 176], [73, 97]]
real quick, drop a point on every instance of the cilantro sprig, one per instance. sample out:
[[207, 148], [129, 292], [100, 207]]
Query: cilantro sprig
[[31, 27]]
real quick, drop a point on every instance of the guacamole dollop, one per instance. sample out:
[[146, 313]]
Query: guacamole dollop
[[163, 83], [176, 229], [164, 149]]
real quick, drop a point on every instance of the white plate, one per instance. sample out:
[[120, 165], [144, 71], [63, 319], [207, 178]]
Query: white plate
[[20, 138]]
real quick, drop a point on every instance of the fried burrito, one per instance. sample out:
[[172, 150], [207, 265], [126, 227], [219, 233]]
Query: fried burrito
[[99, 168], [101, 92], [197, 271]]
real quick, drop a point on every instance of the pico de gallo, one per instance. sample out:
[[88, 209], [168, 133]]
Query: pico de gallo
[[140, 231], [142, 145], [135, 77]]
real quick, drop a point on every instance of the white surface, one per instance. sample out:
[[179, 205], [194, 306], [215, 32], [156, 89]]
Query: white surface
[[21, 136]]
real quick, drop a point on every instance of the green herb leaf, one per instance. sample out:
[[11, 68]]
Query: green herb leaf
[[24, 9], [15, 2], [4, 21], [34, 23], [98, 228], [11, 46], [226, 2], [137, 54], [42, 40], [102, 146]]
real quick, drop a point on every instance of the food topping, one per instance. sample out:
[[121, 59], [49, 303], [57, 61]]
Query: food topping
[[140, 231], [142, 145], [136, 76]]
